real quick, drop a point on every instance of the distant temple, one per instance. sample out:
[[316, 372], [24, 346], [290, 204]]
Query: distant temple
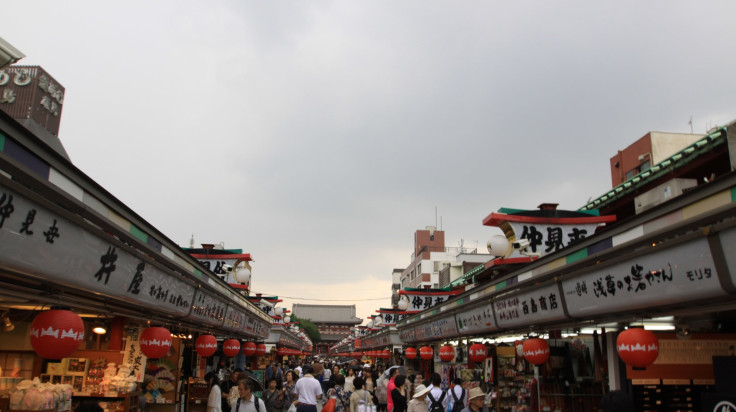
[[332, 321]]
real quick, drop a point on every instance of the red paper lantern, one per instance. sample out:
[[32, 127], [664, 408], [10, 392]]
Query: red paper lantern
[[447, 353], [637, 347], [231, 347], [206, 345], [155, 342], [426, 352], [536, 350], [56, 334], [477, 352], [385, 354], [249, 348], [260, 349], [411, 353]]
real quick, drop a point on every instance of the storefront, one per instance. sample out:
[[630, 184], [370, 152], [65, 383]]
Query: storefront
[[66, 243]]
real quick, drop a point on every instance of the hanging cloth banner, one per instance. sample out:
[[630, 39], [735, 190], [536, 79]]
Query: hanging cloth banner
[[133, 357]]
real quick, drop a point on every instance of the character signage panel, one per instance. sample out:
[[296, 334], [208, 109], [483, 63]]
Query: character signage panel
[[76, 257], [678, 274], [476, 320], [538, 306]]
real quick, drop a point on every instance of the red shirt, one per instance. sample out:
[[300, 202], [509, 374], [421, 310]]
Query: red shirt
[[389, 401]]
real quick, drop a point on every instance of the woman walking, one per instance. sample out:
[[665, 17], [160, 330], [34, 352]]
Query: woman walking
[[214, 401], [398, 394]]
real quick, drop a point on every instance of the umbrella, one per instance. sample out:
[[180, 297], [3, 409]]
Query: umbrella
[[257, 385], [356, 367], [388, 371]]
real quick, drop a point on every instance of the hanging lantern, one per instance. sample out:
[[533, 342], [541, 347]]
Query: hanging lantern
[[206, 345], [356, 355], [260, 349], [637, 347], [425, 352], [447, 353], [385, 354], [477, 352], [536, 350], [56, 334], [249, 348], [231, 347], [403, 303], [155, 342], [411, 353]]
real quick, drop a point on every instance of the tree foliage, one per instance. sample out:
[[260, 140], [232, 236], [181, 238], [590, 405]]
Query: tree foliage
[[309, 328]]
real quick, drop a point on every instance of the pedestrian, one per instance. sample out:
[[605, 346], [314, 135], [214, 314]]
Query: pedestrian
[[287, 391], [349, 380], [271, 396], [398, 394], [248, 401], [457, 401], [227, 387], [476, 401], [214, 400], [341, 395], [308, 391], [437, 397], [419, 402], [393, 373], [360, 395]]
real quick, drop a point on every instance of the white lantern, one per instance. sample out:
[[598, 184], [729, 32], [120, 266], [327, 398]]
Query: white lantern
[[287, 319], [499, 246], [378, 321], [241, 273], [369, 324], [403, 303], [279, 311]]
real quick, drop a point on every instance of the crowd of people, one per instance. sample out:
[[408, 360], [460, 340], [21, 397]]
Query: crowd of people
[[336, 387]]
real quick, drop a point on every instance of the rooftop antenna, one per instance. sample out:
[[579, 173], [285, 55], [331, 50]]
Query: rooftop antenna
[[691, 124], [191, 242], [435, 216]]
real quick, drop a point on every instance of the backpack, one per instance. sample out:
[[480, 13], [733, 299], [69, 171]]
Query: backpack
[[459, 404], [364, 406], [436, 405]]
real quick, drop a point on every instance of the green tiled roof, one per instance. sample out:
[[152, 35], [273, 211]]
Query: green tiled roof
[[683, 157]]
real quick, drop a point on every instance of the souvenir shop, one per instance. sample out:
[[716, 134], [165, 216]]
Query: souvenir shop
[[95, 303]]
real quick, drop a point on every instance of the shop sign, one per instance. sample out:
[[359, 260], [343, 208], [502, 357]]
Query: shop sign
[[476, 320], [422, 299], [440, 328], [256, 328], [234, 319], [133, 357], [678, 274], [208, 309], [728, 242], [408, 335], [545, 238], [37, 241], [538, 306]]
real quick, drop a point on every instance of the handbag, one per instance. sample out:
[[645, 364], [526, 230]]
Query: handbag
[[330, 405], [292, 408]]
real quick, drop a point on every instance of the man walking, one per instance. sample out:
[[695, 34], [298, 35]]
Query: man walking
[[476, 401], [309, 391], [248, 402]]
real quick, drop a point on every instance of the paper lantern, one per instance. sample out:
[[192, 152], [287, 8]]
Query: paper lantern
[[477, 352], [384, 354], [447, 353], [249, 348], [260, 349], [56, 334], [206, 345], [637, 347], [425, 352], [536, 350], [155, 342], [411, 353], [231, 347]]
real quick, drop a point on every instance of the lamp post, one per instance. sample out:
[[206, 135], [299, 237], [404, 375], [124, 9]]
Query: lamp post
[[9, 54]]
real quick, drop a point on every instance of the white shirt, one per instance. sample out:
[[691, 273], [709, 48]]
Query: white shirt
[[249, 405], [436, 393], [458, 390], [298, 369], [214, 401], [308, 390]]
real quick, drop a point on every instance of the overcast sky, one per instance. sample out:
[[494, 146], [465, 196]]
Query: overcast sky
[[319, 135]]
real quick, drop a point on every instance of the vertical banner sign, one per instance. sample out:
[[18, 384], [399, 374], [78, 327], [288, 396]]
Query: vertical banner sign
[[133, 357]]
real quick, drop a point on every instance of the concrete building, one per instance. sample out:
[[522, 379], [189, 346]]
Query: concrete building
[[650, 149], [431, 257], [332, 321]]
